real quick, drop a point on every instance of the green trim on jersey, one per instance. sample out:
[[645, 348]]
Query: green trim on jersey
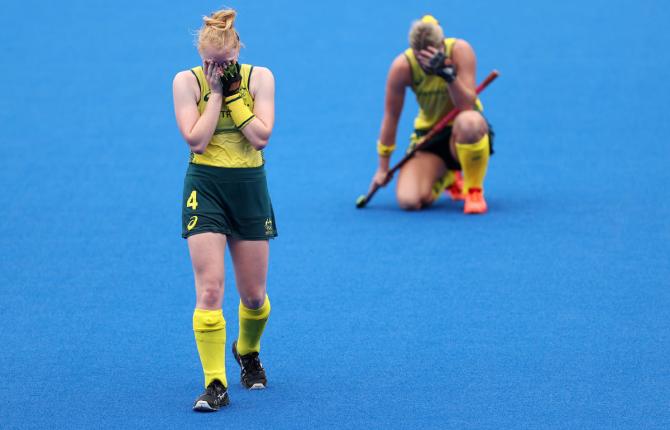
[[431, 91], [228, 146]]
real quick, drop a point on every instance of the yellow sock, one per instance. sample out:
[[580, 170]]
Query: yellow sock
[[447, 179], [474, 159], [252, 324], [210, 336]]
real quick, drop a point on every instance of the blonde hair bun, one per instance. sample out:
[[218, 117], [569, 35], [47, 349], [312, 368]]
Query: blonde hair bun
[[218, 31], [425, 32], [221, 20]]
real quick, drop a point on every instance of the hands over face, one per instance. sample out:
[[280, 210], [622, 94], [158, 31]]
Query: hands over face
[[434, 62], [213, 72]]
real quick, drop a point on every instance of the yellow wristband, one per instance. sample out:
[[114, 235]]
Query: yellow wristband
[[239, 112], [385, 150]]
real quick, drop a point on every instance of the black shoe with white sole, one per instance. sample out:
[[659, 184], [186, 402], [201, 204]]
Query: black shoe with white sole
[[253, 374], [214, 397]]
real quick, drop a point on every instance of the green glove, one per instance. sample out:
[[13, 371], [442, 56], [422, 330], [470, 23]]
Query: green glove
[[231, 79]]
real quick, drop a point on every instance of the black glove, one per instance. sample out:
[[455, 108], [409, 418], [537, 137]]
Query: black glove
[[437, 67], [231, 79]]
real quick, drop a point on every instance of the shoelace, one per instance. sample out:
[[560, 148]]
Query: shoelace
[[252, 364], [214, 390], [475, 195]]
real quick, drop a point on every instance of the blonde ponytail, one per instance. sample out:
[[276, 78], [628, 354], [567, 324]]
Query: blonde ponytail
[[218, 31]]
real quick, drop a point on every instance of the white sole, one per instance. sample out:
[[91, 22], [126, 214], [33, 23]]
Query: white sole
[[202, 405], [257, 386]]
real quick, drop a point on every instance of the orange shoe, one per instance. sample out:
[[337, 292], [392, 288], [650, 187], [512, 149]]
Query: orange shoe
[[455, 190], [474, 202]]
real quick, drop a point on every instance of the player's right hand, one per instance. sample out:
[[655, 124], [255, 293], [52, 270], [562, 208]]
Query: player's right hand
[[381, 177], [213, 76]]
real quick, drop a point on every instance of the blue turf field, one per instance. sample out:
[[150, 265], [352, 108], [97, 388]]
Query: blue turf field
[[552, 311]]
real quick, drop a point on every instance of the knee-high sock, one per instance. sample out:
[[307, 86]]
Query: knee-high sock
[[210, 337], [252, 324], [474, 159]]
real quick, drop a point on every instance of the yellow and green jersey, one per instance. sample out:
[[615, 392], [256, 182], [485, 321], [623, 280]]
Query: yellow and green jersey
[[228, 147], [431, 91]]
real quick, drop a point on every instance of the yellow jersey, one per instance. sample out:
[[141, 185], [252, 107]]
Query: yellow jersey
[[431, 91], [228, 147]]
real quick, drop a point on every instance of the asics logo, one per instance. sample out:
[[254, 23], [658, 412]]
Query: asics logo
[[192, 222]]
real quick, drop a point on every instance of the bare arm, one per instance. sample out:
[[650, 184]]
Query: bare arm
[[399, 78], [196, 129], [262, 85], [463, 90]]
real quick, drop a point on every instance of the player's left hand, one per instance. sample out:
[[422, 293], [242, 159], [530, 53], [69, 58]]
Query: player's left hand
[[425, 55], [231, 78]]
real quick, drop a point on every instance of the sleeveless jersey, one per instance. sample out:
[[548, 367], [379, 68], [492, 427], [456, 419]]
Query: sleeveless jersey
[[431, 91], [228, 147]]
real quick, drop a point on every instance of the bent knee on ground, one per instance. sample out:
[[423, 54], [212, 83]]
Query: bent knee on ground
[[415, 200], [469, 127]]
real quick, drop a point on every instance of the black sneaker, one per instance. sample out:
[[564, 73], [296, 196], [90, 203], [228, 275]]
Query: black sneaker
[[253, 374], [215, 396]]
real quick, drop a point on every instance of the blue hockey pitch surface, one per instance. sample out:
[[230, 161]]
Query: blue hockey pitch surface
[[551, 311]]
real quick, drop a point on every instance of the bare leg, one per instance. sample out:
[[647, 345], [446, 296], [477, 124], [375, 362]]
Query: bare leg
[[469, 127], [250, 258], [207, 256], [471, 146], [209, 327], [416, 179]]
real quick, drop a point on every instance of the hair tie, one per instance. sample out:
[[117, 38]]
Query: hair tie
[[429, 19]]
